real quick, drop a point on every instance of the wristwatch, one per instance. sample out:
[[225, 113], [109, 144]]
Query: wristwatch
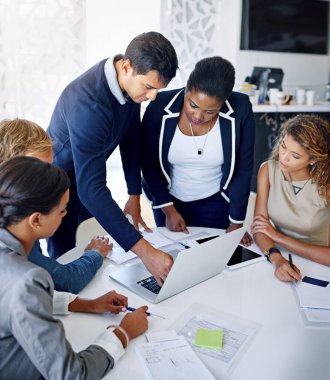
[[270, 251]]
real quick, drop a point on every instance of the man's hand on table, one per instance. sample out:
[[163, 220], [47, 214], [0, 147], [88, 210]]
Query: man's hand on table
[[157, 262]]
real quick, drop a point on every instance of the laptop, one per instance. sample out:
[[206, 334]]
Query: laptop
[[191, 266]]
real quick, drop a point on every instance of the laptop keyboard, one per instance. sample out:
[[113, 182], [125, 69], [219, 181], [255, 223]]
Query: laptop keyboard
[[151, 284]]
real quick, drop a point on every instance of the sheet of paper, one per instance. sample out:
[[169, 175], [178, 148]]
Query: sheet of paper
[[119, 256], [161, 336], [313, 296], [317, 315], [182, 237], [173, 360], [156, 239]]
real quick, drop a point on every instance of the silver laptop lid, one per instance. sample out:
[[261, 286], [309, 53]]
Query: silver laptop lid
[[199, 263]]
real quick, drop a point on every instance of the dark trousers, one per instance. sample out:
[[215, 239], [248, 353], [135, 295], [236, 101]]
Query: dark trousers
[[64, 238], [210, 212]]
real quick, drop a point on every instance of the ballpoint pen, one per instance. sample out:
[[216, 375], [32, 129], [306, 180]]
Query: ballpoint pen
[[290, 261], [147, 312]]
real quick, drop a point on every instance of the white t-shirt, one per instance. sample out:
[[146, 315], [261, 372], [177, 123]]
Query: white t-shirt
[[195, 176]]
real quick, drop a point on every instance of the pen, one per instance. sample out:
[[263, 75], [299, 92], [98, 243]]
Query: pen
[[147, 312], [183, 244], [290, 261]]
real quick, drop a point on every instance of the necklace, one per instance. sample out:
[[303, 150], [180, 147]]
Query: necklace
[[297, 189], [200, 150]]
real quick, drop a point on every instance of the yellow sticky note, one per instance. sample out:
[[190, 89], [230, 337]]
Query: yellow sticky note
[[209, 338]]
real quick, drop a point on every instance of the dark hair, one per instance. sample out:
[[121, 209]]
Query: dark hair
[[28, 185], [152, 51], [313, 134], [214, 76]]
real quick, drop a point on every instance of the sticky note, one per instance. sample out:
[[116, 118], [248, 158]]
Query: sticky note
[[209, 338]]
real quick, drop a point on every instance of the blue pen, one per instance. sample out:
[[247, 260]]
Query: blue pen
[[147, 312]]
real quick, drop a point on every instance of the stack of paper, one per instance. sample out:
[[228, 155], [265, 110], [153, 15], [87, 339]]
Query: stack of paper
[[314, 298]]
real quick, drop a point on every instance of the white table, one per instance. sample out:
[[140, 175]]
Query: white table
[[283, 349]]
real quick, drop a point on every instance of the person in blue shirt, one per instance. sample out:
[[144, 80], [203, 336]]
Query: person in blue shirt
[[197, 155], [21, 137], [96, 113]]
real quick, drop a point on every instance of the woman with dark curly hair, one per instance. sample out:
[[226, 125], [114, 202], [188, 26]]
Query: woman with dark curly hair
[[293, 197]]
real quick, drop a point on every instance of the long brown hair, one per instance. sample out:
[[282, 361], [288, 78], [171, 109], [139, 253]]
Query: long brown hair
[[313, 134]]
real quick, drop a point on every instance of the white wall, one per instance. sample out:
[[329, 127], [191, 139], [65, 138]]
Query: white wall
[[112, 24]]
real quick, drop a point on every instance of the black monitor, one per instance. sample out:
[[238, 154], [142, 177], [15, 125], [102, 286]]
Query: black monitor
[[275, 77]]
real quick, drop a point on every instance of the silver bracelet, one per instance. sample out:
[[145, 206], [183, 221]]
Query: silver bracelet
[[122, 330]]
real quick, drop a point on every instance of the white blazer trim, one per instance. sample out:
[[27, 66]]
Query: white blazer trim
[[225, 196], [236, 221], [165, 117], [167, 108], [163, 205], [233, 138]]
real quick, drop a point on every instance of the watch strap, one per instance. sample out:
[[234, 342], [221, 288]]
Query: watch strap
[[270, 251]]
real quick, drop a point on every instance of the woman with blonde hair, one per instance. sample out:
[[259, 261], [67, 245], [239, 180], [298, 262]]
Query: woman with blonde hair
[[21, 137], [293, 196]]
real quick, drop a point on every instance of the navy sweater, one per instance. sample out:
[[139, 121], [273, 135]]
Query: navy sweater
[[88, 123]]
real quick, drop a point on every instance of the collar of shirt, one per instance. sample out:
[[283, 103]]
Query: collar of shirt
[[8, 240], [111, 75]]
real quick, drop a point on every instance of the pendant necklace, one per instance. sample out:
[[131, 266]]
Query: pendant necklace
[[297, 189], [200, 150]]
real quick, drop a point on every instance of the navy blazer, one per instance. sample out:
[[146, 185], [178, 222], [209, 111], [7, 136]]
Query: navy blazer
[[237, 133]]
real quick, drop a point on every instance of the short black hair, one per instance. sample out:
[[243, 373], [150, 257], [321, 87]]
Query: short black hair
[[152, 51], [214, 76], [28, 185]]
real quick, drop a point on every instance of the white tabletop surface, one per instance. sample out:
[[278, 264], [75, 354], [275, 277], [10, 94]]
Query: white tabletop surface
[[283, 349]]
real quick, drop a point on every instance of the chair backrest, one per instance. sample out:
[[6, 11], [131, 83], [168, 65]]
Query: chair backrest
[[88, 229]]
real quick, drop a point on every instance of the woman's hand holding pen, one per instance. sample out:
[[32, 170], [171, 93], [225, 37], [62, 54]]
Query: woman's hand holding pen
[[135, 323], [174, 220], [284, 271]]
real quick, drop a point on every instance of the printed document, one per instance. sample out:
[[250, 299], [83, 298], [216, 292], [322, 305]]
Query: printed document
[[172, 359]]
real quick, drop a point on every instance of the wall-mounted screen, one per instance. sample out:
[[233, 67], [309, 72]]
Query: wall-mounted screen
[[295, 26]]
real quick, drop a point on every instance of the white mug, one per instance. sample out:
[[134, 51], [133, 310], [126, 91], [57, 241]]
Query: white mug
[[300, 96], [272, 95], [310, 96], [279, 97]]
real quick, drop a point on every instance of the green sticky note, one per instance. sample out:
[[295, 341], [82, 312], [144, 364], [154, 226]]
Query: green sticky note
[[209, 338]]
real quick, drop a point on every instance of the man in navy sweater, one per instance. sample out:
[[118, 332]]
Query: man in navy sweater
[[95, 113]]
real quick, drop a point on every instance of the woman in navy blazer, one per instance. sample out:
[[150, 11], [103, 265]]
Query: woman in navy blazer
[[175, 131]]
